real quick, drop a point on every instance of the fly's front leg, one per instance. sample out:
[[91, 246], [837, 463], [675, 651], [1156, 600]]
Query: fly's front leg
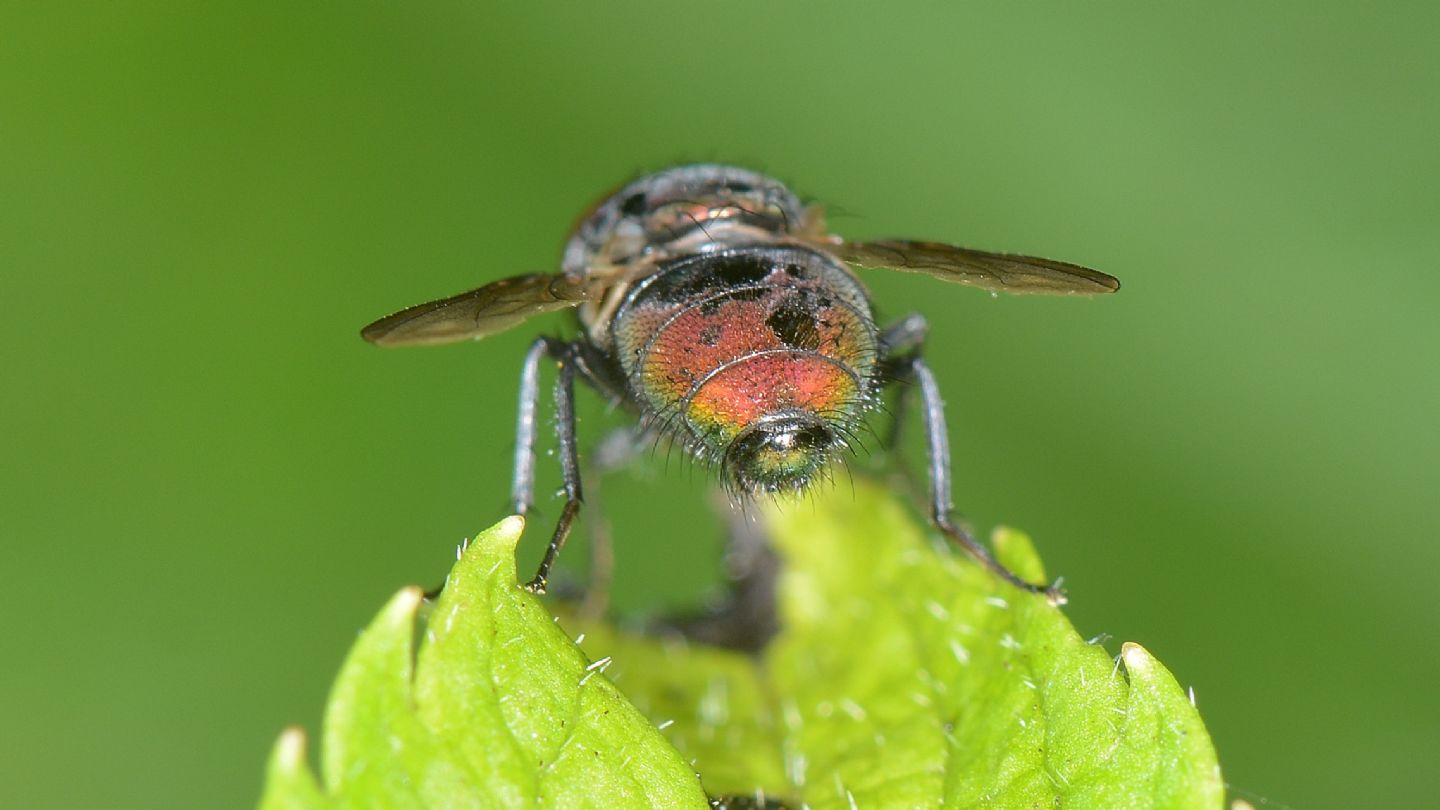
[[522, 482], [569, 469], [522, 488], [898, 343], [938, 445]]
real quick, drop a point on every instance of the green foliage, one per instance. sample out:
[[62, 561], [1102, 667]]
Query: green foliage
[[904, 676], [499, 709]]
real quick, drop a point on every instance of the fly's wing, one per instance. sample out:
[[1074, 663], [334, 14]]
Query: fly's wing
[[998, 272], [479, 313]]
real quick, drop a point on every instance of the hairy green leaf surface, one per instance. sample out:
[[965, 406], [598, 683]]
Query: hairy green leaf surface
[[904, 676]]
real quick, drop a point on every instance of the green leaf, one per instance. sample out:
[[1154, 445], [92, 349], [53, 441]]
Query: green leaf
[[908, 676], [904, 676], [916, 678], [499, 709]]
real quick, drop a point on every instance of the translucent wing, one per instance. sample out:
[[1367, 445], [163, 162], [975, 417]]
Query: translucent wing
[[476, 314], [1001, 272]]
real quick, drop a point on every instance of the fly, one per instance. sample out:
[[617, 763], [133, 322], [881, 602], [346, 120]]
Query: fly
[[722, 311]]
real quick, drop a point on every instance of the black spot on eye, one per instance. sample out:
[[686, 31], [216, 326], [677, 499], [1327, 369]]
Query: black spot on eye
[[795, 271], [738, 271], [710, 335], [794, 326], [739, 188], [634, 205]]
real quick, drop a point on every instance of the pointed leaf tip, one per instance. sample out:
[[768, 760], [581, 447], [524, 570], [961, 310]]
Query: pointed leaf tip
[[1016, 550], [403, 605], [510, 528], [498, 541], [1137, 658], [289, 784], [290, 749]]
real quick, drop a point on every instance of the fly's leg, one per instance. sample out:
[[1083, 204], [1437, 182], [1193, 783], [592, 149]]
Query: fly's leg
[[522, 482], [569, 469], [522, 490], [902, 339], [577, 359], [572, 358], [938, 446], [903, 336]]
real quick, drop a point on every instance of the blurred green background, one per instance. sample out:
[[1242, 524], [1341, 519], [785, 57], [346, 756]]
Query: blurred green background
[[208, 483]]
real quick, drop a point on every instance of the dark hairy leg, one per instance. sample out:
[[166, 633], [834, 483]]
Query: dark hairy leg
[[523, 485], [910, 367]]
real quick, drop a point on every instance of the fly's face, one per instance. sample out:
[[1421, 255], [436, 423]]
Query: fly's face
[[760, 359]]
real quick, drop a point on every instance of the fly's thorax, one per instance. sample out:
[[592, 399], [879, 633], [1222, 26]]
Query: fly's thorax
[[679, 211], [761, 358]]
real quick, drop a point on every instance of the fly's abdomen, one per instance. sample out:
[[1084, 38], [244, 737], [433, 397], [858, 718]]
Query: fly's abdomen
[[715, 343]]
